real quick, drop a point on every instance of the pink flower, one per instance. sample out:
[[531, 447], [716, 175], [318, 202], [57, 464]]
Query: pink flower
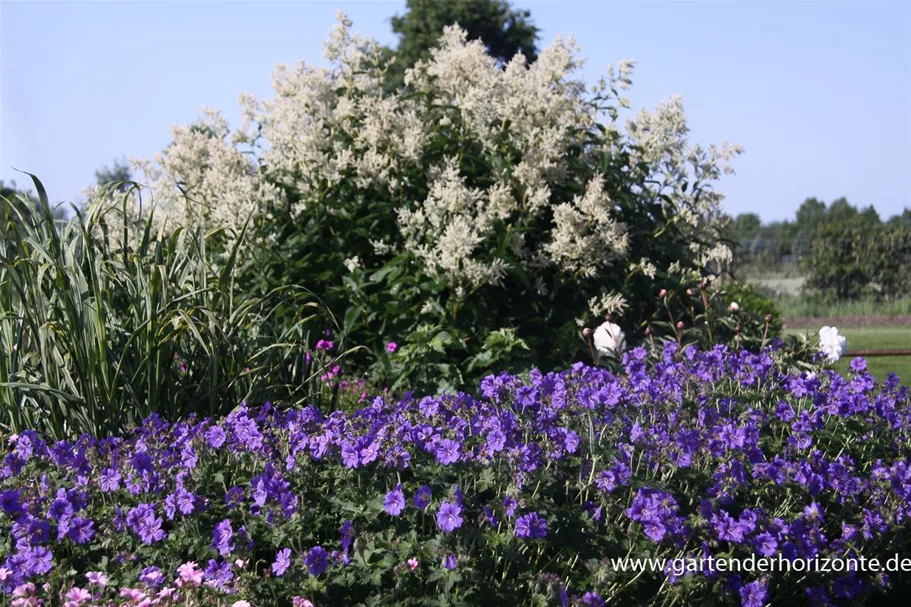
[[189, 574], [412, 564], [301, 602], [241, 604], [5, 573], [392, 347], [27, 589], [97, 578], [132, 594], [78, 595]]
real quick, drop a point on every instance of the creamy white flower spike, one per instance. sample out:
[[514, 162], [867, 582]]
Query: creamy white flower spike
[[338, 125], [609, 338], [832, 343]]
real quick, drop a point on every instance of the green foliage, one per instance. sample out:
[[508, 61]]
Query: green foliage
[[95, 336], [503, 30], [752, 299], [737, 316]]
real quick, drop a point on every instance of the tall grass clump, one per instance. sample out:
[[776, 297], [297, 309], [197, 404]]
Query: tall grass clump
[[97, 334]]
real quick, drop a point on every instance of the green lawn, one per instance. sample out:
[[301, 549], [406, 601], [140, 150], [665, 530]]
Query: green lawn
[[873, 338]]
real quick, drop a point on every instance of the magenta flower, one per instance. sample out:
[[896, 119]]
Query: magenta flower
[[189, 574], [97, 578], [392, 347], [77, 596]]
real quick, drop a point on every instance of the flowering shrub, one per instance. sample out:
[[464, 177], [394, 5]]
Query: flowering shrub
[[482, 214], [521, 496]]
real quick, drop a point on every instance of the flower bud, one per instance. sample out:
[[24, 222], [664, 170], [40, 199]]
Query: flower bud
[[768, 318], [586, 331], [662, 293], [679, 324]]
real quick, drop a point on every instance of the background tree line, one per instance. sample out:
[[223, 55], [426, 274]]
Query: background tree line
[[845, 252]]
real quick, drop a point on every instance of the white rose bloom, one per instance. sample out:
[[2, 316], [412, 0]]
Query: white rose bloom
[[609, 338], [734, 306], [832, 343]]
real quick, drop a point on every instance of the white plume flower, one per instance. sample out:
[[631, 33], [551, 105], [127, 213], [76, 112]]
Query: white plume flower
[[334, 136]]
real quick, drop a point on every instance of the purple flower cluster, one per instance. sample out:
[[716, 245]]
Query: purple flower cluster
[[694, 453]]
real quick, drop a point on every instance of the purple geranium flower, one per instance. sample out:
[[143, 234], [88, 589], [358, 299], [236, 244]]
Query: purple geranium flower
[[215, 437], [151, 576], [448, 517], [221, 538], [394, 503], [218, 575], [109, 480], [531, 526], [38, 560], [317, 561], [422, 497], [81, 530], [448, 451], [765, 544], [347, 533], [753, 594], [282, 562]]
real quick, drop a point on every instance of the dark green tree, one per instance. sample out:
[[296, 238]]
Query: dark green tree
[[841, 211], [119, 172], [810, 214], [503, 30], [9, 190], [746, 226], [869, 216], [904, 219]]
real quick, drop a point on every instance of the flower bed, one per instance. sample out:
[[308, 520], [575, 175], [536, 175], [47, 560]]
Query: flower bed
[[522, 496]]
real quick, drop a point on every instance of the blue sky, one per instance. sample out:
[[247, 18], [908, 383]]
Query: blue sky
[[818, 93]]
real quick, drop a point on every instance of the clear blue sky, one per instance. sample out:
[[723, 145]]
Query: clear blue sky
[[819, 93]]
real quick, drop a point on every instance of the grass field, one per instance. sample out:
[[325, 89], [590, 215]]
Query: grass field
[[871, 338]]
